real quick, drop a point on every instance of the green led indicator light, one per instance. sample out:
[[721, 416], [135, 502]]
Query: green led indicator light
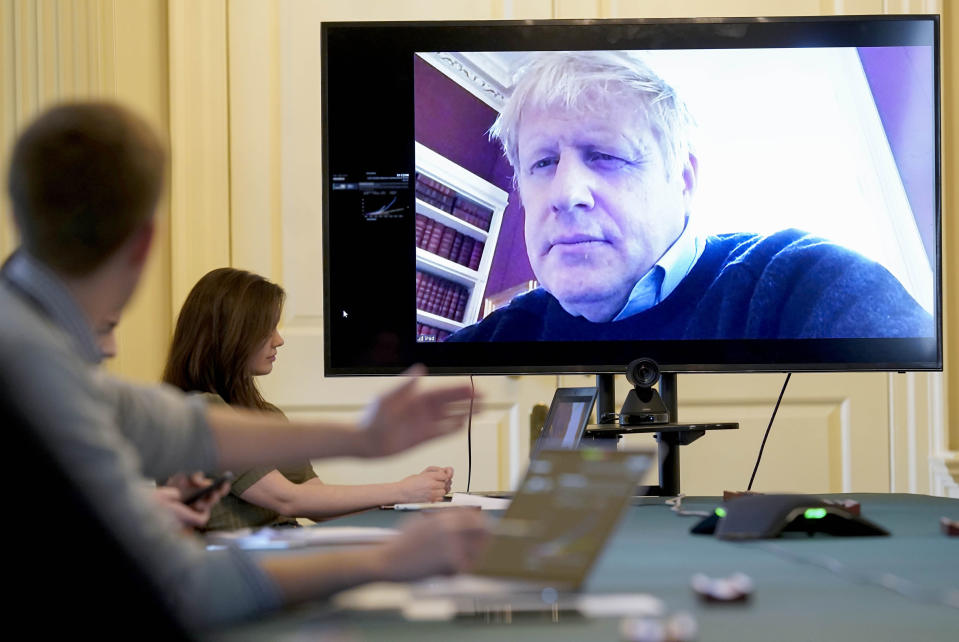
[[721, 512], [814, 513], [592, 454]]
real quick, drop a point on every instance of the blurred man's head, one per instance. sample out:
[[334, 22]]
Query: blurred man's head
[[601, 154], [84, 180]]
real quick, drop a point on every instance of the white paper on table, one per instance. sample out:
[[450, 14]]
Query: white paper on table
[[459, 500], [486, 503], [280, 538]]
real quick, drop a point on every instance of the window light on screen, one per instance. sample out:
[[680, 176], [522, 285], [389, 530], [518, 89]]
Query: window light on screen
[[806, 113]]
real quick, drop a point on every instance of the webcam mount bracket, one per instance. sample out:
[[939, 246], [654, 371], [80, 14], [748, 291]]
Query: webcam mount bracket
[[648, 410]]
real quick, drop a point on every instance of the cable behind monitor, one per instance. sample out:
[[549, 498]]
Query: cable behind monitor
[[469, 436], [766, 436]]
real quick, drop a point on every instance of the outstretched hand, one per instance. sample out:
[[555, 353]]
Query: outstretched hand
[[407, 415], [443, 543]]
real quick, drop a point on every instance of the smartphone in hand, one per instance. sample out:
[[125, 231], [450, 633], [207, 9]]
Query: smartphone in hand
[[200, 493]]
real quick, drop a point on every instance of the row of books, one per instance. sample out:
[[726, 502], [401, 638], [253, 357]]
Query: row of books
[[447, 199], [436, 238], [429, 334], [438, 296]]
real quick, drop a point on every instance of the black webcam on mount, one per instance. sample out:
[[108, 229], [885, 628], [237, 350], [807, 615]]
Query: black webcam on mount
[[643, 406]]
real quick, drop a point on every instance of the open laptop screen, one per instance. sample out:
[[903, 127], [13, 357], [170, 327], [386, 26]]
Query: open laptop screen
[[562, 516], [567, 418]]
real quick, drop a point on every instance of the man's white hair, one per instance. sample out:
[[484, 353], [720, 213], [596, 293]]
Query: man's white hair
[[583, 81]]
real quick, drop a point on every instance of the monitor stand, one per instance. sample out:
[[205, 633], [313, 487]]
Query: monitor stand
[[669, 434]]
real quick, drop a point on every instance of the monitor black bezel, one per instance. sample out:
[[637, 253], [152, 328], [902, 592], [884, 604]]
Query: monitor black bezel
[[392, 40]]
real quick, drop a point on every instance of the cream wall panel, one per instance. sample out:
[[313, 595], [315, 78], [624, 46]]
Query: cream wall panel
[[434, 10], [48, 53], [8, 116], [85, 70], [912, 6], [255, 225], [950, 213], [915, 431], [66, 39], [448, 451], [26, 68], [199, 143], [852, 7], [138, 38], [300, 170], [56, 50], [103, 26], [830, 433], [804, 451], [709, 8]]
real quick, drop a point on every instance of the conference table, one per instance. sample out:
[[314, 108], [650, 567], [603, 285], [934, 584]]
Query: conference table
[[901, 587]]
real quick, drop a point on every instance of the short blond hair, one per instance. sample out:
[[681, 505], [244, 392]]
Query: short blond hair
[[571, 81]]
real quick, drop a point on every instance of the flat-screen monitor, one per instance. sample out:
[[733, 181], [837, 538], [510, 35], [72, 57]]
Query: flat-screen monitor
[[718, 195]]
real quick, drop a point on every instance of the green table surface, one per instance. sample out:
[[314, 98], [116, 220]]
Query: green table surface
[[795, 598]]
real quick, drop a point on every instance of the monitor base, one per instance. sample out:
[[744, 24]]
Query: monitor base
[[669, 435]]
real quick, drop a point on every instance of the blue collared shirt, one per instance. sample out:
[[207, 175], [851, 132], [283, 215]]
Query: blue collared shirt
[[666, 274], [110, 434], [45, 289]]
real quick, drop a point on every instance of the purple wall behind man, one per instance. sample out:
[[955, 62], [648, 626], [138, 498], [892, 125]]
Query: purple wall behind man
[[454, 123], [901, 80]]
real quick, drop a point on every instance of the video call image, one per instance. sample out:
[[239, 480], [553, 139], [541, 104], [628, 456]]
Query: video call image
[[675, 194]]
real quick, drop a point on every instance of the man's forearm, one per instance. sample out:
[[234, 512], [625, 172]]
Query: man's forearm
[[446, 542], [318, 575], [393, 422], [246, 439]]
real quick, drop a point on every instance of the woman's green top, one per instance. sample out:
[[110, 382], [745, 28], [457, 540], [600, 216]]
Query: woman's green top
[[233, 512]]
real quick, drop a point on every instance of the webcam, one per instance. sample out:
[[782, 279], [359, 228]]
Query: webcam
[[643, 405], [642, 372]]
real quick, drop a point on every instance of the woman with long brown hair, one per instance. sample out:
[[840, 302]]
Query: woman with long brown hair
[[225, 336]]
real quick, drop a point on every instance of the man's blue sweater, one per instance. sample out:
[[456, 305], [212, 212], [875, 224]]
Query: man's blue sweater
[[786, 285]]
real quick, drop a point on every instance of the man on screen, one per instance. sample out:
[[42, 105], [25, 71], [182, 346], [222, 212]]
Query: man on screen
[[604, 166]]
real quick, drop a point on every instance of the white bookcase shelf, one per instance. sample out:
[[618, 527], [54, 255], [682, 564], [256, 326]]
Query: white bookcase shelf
[[479, 191]]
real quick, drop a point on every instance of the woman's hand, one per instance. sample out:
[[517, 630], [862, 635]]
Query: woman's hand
[[428, 486]]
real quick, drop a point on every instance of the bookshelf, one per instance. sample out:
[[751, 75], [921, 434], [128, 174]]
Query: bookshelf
[[458, 218]]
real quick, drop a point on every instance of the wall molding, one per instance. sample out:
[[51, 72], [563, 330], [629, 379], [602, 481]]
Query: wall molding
[[483, 75], [199, 143]]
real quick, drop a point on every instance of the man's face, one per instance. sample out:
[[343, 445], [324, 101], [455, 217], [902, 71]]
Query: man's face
[[600, 210]]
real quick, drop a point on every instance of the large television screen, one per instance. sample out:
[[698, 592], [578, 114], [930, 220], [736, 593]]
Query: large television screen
[[566, 196]]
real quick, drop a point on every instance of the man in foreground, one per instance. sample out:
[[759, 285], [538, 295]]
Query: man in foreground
[[169, 496], [84, 181]]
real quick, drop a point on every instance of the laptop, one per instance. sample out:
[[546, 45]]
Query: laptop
[[566, 420], [563, 428], [546, 543]]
